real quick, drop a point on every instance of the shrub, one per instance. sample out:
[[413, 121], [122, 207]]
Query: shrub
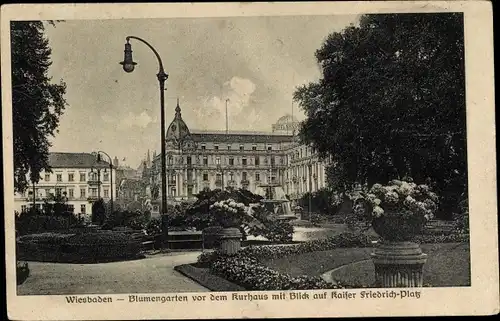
[[443, 238], [22, 272]]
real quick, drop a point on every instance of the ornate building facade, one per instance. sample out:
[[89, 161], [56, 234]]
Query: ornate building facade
[[198, 160]]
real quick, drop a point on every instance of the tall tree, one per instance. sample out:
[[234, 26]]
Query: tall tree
[[37, 103], [391, 102]]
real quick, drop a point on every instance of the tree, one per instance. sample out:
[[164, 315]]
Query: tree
[[391, 103], [37, 103]]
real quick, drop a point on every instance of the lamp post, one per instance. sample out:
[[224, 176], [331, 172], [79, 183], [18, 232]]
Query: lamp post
[[128, 66], [98, 155]]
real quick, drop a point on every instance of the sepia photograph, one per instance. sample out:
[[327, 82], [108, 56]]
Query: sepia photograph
[[159, 159]]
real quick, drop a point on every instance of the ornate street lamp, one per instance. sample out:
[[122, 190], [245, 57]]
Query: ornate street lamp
[[98, 155], [129, 66]]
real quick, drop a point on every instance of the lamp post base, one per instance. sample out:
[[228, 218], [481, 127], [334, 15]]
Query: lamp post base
[[398, 264]]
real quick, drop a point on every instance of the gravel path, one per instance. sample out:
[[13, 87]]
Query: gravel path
[[150, 275]]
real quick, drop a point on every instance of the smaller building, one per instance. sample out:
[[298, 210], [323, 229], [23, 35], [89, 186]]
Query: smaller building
[[78, 177]]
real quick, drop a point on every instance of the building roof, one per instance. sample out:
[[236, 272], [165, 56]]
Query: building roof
[[75, 160], [239, 137]]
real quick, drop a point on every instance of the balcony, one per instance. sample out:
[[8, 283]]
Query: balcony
[[172, 183], [245, 182], [92, 198], [94, 182]]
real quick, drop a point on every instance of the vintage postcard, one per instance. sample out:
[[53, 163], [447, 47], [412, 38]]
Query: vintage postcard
[[249, 160]]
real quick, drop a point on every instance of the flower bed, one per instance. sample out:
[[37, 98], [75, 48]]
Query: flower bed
[[245, 268]]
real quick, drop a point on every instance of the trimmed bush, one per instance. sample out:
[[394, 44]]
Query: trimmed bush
[[22, 272]]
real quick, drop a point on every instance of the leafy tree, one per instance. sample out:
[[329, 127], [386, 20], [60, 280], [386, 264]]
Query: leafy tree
[[37, 103], [391, 103]]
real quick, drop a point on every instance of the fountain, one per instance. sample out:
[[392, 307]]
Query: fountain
[[274, 199]]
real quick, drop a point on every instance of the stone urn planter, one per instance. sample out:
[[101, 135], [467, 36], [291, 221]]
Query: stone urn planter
[[229, 215], [398, 261], [230, 240]]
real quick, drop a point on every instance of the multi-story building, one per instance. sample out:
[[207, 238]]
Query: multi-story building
[[78, 177], [198, 160]]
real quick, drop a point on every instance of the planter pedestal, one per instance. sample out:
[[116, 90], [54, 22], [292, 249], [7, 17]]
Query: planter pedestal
[[230, 240], [398, 264]]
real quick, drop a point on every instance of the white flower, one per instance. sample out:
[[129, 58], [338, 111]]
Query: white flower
[[225, 206], [423, 188], [241, 205], [377, 201], [378, 211], [232, 204], [211, 206], [396, 182]]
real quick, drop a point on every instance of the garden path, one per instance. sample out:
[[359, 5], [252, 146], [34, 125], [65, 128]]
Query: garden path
[[153, 274]]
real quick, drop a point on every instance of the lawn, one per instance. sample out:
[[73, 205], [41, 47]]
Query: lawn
[[448, 264]]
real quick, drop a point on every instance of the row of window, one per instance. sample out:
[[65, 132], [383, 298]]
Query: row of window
[[242, 147], [70, 192], [71, 208], [231, 161], [83, 177]]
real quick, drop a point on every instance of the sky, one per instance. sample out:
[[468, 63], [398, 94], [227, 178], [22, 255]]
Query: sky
[[255, 62]]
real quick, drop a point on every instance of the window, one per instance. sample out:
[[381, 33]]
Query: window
[[257, 177], [231, 161], [257, 160], [216, 147], [254, 147], [83, 209], [217, 160], [58, 191], [205, 176], [231, 176], [71, 208], [190, 191], [218, 178], [228, 147], [269, 148], [82, 177], [242, 148], [47, 192], [170, 160], [188, 160], [47, 177], [59, 177], [203, 147], [106, 177], [205, 160], [93, 192], [244, 176], [190, 174], [106, 192], [173, 191], [83, 193], [244, 161], [71, 177], [23, 208], [71, 192]]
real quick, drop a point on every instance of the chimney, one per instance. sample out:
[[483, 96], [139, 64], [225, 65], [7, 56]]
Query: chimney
[[115, 162]]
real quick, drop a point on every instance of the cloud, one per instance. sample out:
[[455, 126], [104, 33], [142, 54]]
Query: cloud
[[130, 120], [238, 92]]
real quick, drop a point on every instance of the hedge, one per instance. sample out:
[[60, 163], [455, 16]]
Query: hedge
[[78, 248]]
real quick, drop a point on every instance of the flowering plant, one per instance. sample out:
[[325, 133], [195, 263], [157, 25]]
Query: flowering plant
[[403, 204], [229, 213]]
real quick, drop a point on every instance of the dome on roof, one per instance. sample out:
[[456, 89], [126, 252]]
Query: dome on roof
[[286, 119], [178, 135]]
